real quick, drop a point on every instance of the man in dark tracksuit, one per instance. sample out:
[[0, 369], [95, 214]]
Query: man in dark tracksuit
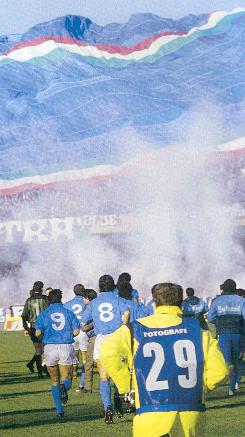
[[228, 313], [34, 305], [195, 307]]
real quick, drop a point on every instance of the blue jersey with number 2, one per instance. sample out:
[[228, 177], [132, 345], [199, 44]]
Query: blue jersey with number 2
[[57, 324], [76, 305], [169, 367]]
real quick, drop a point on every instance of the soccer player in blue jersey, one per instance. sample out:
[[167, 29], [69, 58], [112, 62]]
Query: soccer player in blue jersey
[[126, 277], [108, 312], [228, 313], [77, 305], [57, 326], [136, 308]]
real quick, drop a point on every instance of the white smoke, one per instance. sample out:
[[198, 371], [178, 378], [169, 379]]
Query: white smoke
[[185, 228]]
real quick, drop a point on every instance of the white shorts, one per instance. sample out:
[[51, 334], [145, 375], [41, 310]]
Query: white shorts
[[99, 339], [55, 354], [81, 342]]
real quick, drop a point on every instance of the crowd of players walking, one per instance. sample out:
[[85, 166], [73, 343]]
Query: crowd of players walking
[[161, 356]]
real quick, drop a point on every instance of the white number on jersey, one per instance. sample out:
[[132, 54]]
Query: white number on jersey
[[151, 382], [77, 308], [59, 320], [37, 309], [185, 357], [105, 310]]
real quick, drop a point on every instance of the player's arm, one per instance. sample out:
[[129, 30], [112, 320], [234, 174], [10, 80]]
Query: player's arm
[[205, 308], [25, 316], [243, 313], [75, 332], [126, 317], [216, 370], [39, 327], [116, 356], [86, 315], [187, 310], [75, 325], [212, 314], [38, 333], [87, 327], [125, 312]]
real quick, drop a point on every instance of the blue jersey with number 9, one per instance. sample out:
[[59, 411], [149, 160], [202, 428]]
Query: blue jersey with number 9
[[169, 367], [57, 324]]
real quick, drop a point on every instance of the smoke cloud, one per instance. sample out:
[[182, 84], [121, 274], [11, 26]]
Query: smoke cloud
[[185, 230]]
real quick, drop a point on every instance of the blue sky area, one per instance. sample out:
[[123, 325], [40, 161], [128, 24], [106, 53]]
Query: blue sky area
[[17, 16]]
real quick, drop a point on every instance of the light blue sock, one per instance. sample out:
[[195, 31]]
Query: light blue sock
[[67, 383], [105, 393], [81, 383], [57, 398]]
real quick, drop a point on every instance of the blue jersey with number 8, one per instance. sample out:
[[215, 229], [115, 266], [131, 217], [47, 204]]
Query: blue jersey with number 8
[[106, 312], [57, 324], [169, 367]]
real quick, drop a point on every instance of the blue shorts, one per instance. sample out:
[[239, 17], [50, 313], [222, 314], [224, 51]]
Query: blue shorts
[[230, 345]]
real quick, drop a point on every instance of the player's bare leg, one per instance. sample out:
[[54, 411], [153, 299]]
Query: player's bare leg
[[105, 392], [66, 374], [75, 364], [55, 378], [83, 355]]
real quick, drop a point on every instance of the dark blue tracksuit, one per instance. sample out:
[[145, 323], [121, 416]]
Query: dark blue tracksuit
[[228, 313]]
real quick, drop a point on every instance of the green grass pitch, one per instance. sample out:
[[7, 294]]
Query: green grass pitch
[[27, 409]]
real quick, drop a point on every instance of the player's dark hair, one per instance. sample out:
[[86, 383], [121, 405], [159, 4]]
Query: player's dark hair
[[229, 286], [124, 277], [55, 296], [90, 294], [190, 292], [37, 287], [125, 290], [79, 290], [106, 283], [168, 294]]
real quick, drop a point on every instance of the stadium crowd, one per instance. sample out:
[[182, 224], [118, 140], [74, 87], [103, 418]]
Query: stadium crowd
[[160, 357]]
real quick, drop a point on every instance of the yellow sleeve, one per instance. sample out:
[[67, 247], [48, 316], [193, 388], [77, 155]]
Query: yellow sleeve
[[116, 356], [216, 370]]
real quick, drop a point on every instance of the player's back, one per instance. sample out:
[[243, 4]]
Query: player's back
[[150, 306], [136, 309], [228, 311], [33, 307], [107, 310], [58, 324], [195, 305], [176, 348], [76, 305]]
